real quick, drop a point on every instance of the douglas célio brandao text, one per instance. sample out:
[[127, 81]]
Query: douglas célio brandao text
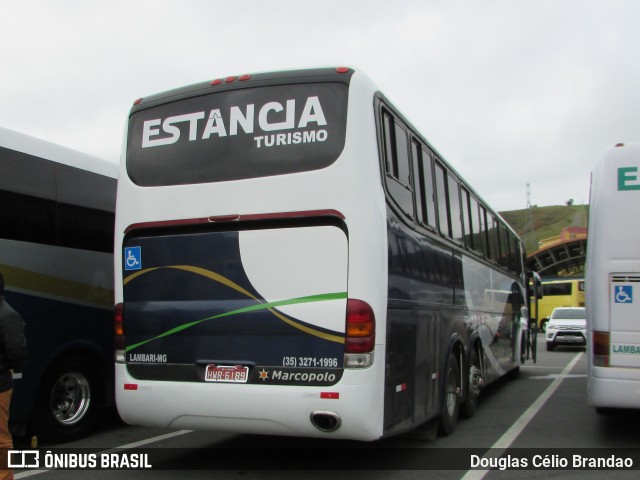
[[552, 461]]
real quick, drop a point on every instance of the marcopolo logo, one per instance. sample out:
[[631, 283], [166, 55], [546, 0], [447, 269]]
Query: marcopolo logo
[[293, 376], [250, 119]]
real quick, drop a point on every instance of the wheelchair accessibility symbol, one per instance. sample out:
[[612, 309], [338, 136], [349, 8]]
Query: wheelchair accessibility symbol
[[623, 294], [133, 258]]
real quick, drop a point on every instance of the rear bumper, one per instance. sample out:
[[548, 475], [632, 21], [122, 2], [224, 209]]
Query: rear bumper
[[253, 409], [610, 387]]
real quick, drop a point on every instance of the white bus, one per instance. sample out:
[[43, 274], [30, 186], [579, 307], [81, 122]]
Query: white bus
[[57, 212], [294, 258], [613, 281]]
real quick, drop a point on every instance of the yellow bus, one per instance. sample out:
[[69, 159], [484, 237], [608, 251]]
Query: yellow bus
[[558, 292]]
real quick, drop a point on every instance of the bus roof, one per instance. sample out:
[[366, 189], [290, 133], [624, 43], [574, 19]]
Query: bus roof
[[36, 147], [234, 82]]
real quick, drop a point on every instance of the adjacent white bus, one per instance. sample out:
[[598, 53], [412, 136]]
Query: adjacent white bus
[[294, 258], [57, 212], [613, 280]]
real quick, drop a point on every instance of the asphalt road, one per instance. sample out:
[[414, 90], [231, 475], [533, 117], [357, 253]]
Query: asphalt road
[[543, 408]]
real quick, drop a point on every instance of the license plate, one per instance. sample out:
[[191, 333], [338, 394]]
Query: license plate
[[226, 374]]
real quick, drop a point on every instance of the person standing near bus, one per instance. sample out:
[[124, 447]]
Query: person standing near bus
[[13, 351]]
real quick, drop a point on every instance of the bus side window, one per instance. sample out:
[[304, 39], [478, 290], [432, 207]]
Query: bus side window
[[476, 225], [430, 198], [483, 231], [389, 145], [402, 156], [397, 163], [27, 218], [455, 216], [418, 182], [492, 236], [441, 196], [466, 218], [505, 246]]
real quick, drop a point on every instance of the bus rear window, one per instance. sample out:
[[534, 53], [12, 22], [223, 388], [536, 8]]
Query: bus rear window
[[238, 134]]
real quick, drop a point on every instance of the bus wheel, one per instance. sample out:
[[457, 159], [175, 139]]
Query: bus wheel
[[451, 404], [68, 402], [470, 405]]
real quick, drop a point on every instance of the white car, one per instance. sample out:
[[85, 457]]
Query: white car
[[566, 326]]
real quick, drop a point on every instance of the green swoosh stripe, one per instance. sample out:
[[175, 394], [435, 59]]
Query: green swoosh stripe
[[324, 297]]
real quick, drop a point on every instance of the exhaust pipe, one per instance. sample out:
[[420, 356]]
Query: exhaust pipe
[[325, 421]]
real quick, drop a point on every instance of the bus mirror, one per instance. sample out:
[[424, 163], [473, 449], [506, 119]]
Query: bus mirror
[[534, 284], [537, 285]]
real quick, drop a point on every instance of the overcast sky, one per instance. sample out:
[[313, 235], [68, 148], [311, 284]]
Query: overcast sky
[[510, 92]]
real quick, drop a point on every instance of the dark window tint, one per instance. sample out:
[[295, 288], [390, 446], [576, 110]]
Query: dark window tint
[[505, 247], [555, 289], [476, 225], [85, 228], [441, 195], [430, 197], [454, 209], [36, 220], [388, 130], [494, 238], [402, 154], [418, 182], [26, 218], [397, 161], [466, 218]]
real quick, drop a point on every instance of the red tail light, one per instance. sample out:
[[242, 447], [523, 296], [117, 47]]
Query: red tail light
[[601, 349], [361, 327], [118, 325]]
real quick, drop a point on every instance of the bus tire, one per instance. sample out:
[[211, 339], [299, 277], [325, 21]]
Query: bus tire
[[451, 398], [69, 402], [470, 405]]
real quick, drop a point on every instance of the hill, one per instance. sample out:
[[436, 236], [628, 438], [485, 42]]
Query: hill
[[537, 223]]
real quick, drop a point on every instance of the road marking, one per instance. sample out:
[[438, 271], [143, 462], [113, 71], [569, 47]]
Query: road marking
[[519, 425], [147, 441], [541, 367], [553, 376], [128, 446]]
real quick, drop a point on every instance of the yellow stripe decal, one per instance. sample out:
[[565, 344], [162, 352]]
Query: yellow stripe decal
[[40, 283], [266, 306]]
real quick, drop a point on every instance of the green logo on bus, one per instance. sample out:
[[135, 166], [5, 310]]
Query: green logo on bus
[[628, 178]]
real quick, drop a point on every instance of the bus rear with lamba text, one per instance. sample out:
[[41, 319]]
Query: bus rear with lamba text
[[613, 281]]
